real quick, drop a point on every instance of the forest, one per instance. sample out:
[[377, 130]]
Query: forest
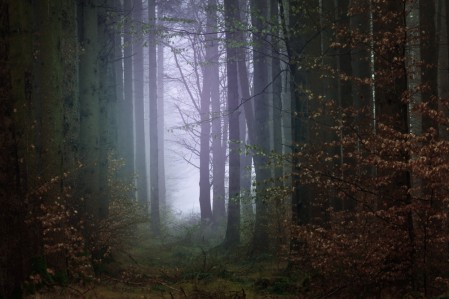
[[224, 149]]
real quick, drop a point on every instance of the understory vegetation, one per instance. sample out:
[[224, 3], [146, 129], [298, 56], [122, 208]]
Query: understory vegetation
[[182, 263]]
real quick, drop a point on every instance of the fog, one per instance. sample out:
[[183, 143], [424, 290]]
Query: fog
[[181, 176]]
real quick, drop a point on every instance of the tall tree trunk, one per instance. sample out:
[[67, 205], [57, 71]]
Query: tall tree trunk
[[246, 159], [218, 159], [14, 68], [161, 121], [276, 87], [107, 101], [139, 102], [259, 14], [205, 204], [89, 106], [119, 84], [54, 32], [294, 42], [127, 128], [68, 55], [154, 159], [232, 237], [247, 126]]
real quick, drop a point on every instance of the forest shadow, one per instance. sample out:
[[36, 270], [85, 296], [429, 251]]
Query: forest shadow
[[185, 262]]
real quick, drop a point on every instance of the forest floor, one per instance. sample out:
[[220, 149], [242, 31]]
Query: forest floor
[[184, 265]]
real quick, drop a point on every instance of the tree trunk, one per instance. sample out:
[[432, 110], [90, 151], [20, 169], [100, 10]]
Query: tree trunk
[[261, 125], [13, 127], [218, 156], [276, 88], [218, 151], [232, 237], [161, 123], [205, 204], [119, 84], [247, 122], [154, 159], [89, 106], [293, 42], [139, 102], [107, 101], [127, 127]]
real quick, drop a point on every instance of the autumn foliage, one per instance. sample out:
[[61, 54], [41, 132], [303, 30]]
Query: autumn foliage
[[379, 210]]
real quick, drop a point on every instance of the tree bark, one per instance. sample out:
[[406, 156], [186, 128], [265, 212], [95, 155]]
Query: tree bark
[[12, 185], [154, 159], [89, 106], [127, 125], [259, 14], [161, 122], [232, 237], [139, 102]]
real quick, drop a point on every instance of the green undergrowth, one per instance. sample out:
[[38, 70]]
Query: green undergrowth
[[180, 265]]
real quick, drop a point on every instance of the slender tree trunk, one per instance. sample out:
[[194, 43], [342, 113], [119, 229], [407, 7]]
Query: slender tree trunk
[[205, 204], [139, 102], [245, 173], [119, 84], [218, 159], [161, 123], [232, 237], [244, 87], [107, 101], [276, 87], [89, 106], [154, 159], [68, 55], [127, 131], [259, 14], [218, 154], [299, 205], [247, 126]]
